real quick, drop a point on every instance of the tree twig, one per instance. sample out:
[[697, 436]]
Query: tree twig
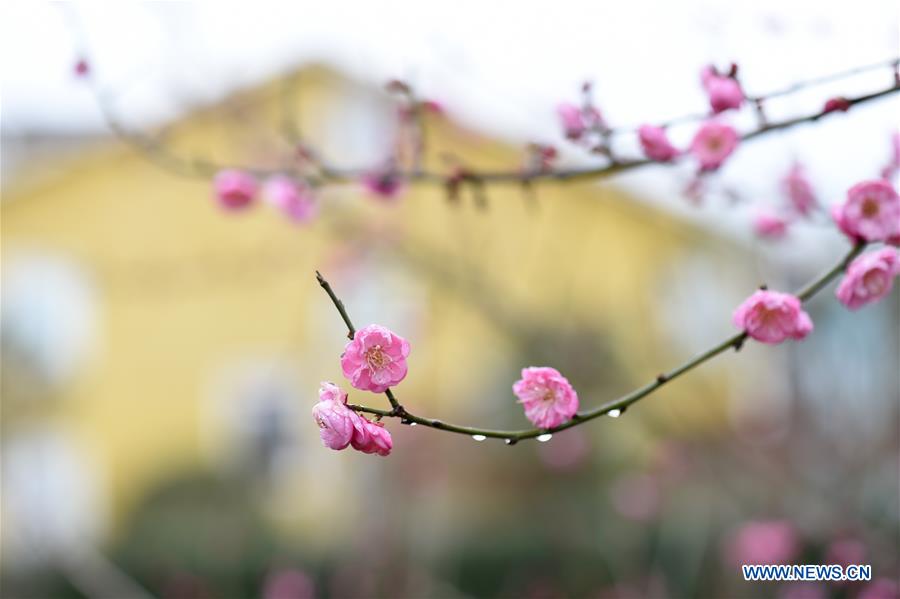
[[613, 408]]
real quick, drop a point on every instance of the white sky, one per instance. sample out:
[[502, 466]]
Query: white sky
[[498, 66]]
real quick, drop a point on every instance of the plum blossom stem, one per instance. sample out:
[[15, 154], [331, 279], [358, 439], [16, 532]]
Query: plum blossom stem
[[152, 148], [351, 332], [620, 404]]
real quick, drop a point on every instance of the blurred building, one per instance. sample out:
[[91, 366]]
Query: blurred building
[[147, 335]]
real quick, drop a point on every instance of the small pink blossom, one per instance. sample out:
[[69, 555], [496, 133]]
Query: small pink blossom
[[334, 418], [293, 198], [871, 212], [772, 317], [572, 121], [656, 144], [725, 93], [235, 189], [835, 104], [378, 438], [82, 68], [713, 143], [375, 359], [577, 121], [547, 396], [769, 225], [799, 190], [763, 542], [869, 278], [386, 183]]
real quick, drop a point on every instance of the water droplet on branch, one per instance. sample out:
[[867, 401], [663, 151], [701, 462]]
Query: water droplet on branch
[[479, 437], [614, 413], [545, 437]]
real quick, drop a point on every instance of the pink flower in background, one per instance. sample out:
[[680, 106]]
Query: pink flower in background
[[334, 418], [871, 212], [713, 143], [636, 496], [769, 225], [655, 143], [763, 542], [772, 317], [386, 183], [293, 198], [375, 359], [799, 190], [572, 120], [547, 396], [235, 189], [846, 552], [82, 68], [378, 438], [725, 93], [880, 588], [869, 278], [289, 584]]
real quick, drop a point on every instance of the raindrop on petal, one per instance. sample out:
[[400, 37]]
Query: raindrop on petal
[[479, 437], [545, 437]]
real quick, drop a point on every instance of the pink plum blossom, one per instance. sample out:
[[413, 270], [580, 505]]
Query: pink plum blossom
[[772, 317], [656, 144], [334, 418], [724, 93], [572, 121], [378, 438], [768, 225], [293, 198], [235, 189], [799, 190], [871, 212], [82, 68], [713, 143], [577, 121], [763, 542], [547, 396], [869, 278], [375, 359], [386, 184], [835, 104]]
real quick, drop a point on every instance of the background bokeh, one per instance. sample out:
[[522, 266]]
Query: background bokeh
[[160, 357]]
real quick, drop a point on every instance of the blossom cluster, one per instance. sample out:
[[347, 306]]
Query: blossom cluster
[[237, 190], [871, 213], [375, 360], [340, 427]]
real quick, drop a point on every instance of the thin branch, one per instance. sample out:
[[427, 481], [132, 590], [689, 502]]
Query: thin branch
[[613, 408], [154, 149]]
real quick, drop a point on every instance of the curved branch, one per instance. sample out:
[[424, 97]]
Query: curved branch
[[612, 408]]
